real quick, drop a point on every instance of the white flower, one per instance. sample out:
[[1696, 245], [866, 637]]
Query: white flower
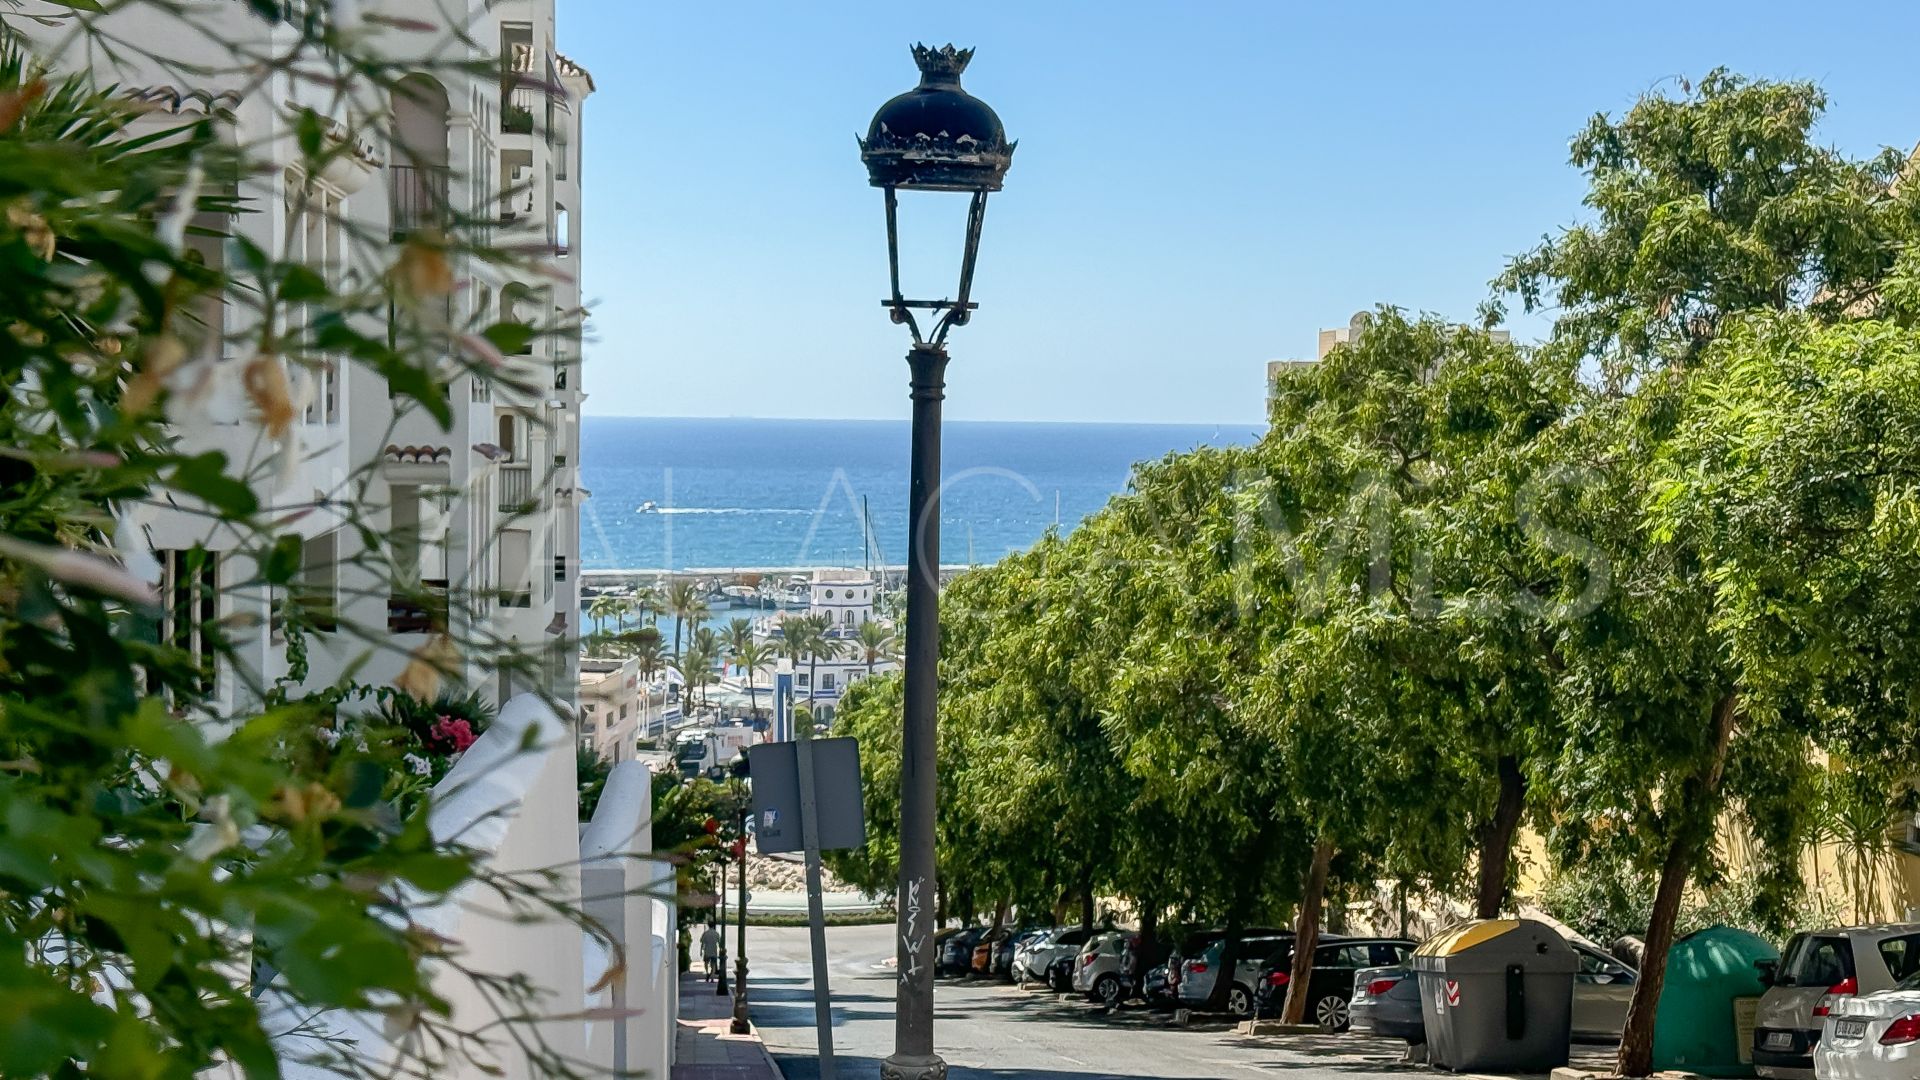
[[418, 764], [217, 835], [330, 736]]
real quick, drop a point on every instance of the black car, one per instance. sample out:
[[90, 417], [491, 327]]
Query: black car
[[1003, 954], [956, 952], [1060, 974], [1331, 985]]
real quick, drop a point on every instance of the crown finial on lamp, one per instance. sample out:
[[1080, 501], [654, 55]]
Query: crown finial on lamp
[[943, 64]]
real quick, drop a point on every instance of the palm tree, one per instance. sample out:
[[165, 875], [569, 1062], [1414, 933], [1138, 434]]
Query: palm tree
[[687, 605], [751, 655], [875, 642], [738, 633], [819, 644], [626, 606], [703, 651], [646, 604], [602, 608]]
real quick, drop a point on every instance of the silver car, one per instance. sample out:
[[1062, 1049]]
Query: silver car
[[1199, 974], [1602, 991], [1816, 971]]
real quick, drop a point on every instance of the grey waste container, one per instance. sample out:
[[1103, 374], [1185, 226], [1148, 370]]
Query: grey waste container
[[1497, 994]]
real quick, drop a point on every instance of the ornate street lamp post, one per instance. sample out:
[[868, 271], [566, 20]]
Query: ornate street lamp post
[[935, 137]]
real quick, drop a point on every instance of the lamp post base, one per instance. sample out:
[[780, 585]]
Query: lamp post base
[[913, 1068], [741, 1025]]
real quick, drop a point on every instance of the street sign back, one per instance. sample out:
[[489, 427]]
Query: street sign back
[[776, 795]]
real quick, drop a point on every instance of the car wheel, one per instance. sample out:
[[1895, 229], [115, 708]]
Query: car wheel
[[1330, 1012], [1240, 1001], [1106, 990]]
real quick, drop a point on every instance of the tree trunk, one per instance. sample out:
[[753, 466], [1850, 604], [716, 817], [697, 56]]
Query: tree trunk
[[1086, 907], [1229, 959], [1147, 949], [1306, 934], [1496, 839], [1691, 837], [999, 915]]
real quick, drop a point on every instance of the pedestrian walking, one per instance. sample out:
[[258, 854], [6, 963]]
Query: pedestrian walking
[[710, 950]]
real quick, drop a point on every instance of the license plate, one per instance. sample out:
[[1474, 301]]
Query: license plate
[[1779, 1040], [1850, 1029]]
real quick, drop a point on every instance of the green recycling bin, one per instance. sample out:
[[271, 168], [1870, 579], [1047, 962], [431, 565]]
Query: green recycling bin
[[1497, 995], [1705, 1020]]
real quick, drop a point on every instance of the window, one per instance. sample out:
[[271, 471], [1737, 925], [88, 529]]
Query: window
[[802, 679], [826, 681], [1596, 968], [849, 617], [1815, 961], [1388, 953], [559, 568], [829, 594], [1901, 955], [190, 584], [317, 590], [623, 712]]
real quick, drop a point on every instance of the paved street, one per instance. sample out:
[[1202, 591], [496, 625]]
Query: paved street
[[993, 1030]]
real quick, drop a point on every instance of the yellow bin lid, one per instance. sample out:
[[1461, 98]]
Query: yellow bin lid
[[1465, 937]]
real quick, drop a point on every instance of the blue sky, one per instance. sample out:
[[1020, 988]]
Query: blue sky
[[1199, 187]]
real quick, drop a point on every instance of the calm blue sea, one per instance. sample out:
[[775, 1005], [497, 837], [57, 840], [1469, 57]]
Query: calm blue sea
[[765, 493]]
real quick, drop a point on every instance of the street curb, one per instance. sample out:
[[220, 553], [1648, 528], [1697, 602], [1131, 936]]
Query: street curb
[[1568, 1072], [753, 1031], [1571, 1073], [1275, 1027]]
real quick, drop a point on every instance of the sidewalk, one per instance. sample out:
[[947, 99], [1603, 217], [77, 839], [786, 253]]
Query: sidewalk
[[703, 1050]]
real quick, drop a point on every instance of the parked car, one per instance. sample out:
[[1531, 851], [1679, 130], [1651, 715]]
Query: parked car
[[1199, 975], [956, 953], [1386, 1002], [1330, 986], [1097, 972], [1818, 971], [1003, 953], [1602, 991], [1156, 988], [1040, 956], [1133, 958], [1060, 973], [1872, 1036]]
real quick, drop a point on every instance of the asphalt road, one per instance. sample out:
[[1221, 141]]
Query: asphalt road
[[986, 1029]]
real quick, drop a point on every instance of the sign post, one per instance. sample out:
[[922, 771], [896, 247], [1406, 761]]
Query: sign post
[[806, 797]]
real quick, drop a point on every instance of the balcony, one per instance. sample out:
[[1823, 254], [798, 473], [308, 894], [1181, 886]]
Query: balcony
[[417, 198], [516, 489]]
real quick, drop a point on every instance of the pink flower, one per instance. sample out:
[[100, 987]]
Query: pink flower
[[458, 732]]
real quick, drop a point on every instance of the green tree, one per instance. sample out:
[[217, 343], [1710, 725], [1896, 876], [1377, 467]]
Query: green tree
[[603, 607], [875, 642], [750, 656], [688, 608], [1712, 209]]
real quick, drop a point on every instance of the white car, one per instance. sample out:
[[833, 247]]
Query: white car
[[1818, 972], [1096, 972], [1031, 961], [1872, 1036]]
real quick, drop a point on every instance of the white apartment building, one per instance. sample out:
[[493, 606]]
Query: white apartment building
[[846, 599], [488, 507], [617, 707]]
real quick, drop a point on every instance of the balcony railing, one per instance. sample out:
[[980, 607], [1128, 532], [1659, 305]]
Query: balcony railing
[[417, 198], [516, 488], [421, 612]]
